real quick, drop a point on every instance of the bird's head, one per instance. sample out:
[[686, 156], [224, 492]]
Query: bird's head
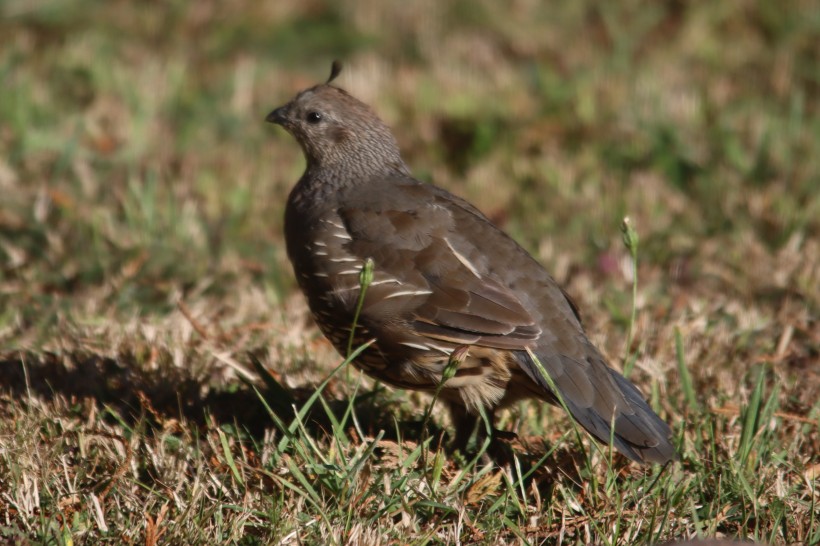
[[338, 131]]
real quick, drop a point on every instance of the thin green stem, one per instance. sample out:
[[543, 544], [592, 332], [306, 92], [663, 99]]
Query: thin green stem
[[456, 358], [630, 238], [365, 278]]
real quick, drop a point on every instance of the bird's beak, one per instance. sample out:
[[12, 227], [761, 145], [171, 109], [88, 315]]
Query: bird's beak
[[278, 116]]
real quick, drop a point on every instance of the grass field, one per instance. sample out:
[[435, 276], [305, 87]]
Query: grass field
[[153, 344]]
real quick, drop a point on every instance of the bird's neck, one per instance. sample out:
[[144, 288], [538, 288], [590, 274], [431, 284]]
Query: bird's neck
[[345, 169]]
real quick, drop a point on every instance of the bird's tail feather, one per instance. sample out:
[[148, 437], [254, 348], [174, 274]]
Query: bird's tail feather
[[601, 399]]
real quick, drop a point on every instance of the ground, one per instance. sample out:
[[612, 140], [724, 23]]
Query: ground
[[153, 345]]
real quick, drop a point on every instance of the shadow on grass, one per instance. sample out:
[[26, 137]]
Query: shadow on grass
[[165, 393]]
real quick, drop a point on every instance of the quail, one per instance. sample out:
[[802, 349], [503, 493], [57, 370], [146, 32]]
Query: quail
[[443, 278]]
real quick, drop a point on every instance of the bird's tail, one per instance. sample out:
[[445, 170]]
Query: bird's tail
[[606, 404]]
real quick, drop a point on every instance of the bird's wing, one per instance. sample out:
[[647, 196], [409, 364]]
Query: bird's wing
[[430, 272]]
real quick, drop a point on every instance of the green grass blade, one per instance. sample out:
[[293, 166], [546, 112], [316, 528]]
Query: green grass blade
[[226, 452], [687, 385]]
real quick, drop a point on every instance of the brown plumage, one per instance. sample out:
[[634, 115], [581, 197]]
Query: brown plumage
[[444, 277]]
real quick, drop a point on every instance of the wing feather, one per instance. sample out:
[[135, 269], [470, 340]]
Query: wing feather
[[456, 297]]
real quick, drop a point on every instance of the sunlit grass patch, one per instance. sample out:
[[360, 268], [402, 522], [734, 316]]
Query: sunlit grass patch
[[142, 269]]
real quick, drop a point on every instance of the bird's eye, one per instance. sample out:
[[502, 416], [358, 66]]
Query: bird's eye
[[313, 117]]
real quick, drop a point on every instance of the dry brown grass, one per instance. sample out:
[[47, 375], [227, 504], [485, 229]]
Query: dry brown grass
[[142, 264]]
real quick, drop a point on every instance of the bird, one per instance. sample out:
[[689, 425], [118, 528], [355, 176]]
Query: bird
[[443, 280]]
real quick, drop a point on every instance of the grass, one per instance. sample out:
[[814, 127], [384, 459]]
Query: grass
[[153, 346]]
